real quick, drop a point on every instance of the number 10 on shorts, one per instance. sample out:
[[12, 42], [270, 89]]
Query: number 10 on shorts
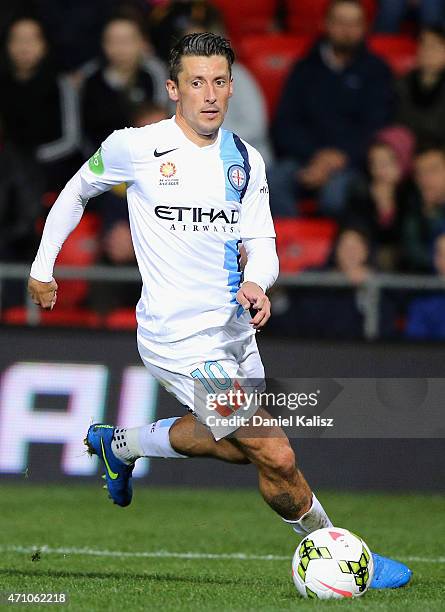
[[214, 378]]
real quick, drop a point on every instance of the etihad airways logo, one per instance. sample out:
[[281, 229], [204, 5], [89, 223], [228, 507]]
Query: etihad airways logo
[[198, 219], [196, 214]]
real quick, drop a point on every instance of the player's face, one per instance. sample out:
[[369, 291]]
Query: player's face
[[202, 93]]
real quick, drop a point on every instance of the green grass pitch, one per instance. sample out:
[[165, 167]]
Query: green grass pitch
[[136, 567]]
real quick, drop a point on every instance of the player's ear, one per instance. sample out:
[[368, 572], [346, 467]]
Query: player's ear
[[231, 87], [172, 90]]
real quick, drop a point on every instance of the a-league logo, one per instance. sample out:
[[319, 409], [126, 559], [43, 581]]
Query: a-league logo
[[168, 171]]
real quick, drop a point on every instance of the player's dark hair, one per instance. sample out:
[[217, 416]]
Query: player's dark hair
[[203, 44]]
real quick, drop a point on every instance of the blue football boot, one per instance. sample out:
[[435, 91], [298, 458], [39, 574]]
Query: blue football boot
[[117, 473], [389, 574]]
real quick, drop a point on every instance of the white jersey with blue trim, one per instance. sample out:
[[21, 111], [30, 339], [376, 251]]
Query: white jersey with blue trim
[[189, 208]]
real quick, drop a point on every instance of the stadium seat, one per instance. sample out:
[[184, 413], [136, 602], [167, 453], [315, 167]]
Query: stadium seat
[[121, 318], [246, 17], [307, 17], [269, 57], [398, 51], [303, 243], [80, 249], [60, 316]]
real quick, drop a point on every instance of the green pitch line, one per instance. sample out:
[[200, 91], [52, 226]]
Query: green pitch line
[[194, 550]]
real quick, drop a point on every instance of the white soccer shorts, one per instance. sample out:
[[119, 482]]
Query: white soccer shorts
[[207, 366]]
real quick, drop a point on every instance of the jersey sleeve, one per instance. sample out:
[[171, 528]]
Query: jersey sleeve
[[110, 165], [255, 217]]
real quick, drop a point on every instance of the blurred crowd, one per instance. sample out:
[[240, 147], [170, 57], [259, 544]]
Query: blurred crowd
[[348, 140]]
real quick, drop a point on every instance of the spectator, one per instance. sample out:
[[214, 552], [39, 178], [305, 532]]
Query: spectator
[[376, 201], [339, 313], [392, 12], [74, 27], [330, 312], [421, 93], [352, 255], [426, 315], [38, 109], [333, 103], [128, 76], [20, 208], [20, 205], [424, 219]]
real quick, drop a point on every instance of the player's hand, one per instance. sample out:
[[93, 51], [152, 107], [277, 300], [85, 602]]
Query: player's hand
[[43, 294], [250, 295]]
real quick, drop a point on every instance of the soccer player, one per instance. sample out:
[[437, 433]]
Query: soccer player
[[195, 192]]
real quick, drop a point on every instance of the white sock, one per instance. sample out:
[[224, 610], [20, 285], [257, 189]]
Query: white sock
[[315, 518], [125, 444], [151, 440]]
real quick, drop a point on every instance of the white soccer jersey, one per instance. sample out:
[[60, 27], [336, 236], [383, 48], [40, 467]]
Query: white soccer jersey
[[189, 207]]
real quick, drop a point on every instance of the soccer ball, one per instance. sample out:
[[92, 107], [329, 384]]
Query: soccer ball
[[332, 563]]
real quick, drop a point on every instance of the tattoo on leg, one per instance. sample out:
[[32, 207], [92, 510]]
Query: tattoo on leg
[[287, 506]]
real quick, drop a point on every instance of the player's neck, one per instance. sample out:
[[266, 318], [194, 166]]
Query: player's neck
[[202, 140]]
